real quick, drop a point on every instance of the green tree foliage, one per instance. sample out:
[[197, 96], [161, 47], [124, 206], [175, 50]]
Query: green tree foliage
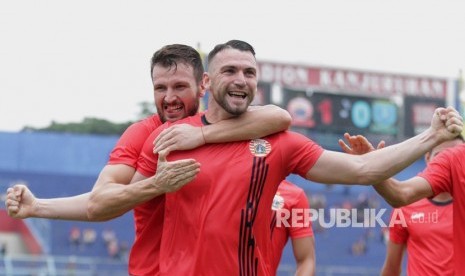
[[95, 125], [87, 126]]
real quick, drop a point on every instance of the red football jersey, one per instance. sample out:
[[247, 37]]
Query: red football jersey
[[428, 235], [220, 222], [144, 257], [288, 197], [446, 173]]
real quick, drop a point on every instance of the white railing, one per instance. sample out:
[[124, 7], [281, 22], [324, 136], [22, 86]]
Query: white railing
[[47, 265], [289, 270]]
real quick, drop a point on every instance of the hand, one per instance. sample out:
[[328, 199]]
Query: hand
[[179, 137], [20, 202], [447, 123], [358, 144], [171, 176]]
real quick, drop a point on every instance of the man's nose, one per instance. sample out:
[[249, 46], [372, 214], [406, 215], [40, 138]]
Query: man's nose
[[240, 79], [170, 95]]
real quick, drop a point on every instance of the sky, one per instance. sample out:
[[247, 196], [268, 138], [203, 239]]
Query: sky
[[65, 60]]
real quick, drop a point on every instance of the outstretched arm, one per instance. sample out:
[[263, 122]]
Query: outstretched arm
[[395, 192], [376, 166], [114, 200], [21, 203], [258, 121], [110, 199]]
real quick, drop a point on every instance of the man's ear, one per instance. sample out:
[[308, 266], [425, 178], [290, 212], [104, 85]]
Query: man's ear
[[427, 157], [206, 81], [202, 90]]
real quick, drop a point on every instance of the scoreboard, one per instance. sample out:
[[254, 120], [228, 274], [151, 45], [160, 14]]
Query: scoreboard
[[340, 113], [332, 101]]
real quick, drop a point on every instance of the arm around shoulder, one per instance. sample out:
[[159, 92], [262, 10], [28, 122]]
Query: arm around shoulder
[[258, 121]]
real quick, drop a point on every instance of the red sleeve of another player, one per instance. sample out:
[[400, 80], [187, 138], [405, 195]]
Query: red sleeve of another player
[[303, 226], [129, 145], [147, 162], [438, 173], [299, 152], [397, 227]]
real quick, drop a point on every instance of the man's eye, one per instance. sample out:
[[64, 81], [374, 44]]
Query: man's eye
[[250, 73]]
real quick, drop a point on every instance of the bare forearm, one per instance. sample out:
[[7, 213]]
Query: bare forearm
[[381, 164], [255, 123], [304, 253], [305, 268], [66, 208], [120, 189], [402, 193], [393, 263], [391, 191], [114, 200], [372, 167], [389, 271]]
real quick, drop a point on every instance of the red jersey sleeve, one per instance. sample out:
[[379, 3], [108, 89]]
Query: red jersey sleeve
[[397, 232], [129, 145], [301, 203], [147, 162], [438, 173], [300, 151]]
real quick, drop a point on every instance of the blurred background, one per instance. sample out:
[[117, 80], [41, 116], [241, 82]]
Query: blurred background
[[74, 75]]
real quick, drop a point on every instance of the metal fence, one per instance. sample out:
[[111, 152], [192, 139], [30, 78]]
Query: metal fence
[[47, 265]]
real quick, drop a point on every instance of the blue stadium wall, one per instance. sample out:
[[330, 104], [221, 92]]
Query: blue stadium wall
[[58, 153], [60, 165]]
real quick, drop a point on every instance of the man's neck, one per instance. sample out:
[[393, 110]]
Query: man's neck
[[442, 197], [216, 113]]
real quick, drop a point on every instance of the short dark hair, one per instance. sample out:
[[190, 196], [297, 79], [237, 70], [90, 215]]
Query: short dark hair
[[170, 55], [232, 44]]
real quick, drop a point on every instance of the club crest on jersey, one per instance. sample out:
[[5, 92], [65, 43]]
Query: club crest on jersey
[[278, 202], [417, 215], [259, 147]]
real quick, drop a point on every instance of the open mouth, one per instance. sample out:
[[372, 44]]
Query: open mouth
[[172, 107], [241, 95]]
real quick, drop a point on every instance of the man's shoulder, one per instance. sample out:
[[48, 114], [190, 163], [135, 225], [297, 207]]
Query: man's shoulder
[[418, 205], [291, 192], [289, 186], [191, 120], [284, 135], [289, 138], [150, 123], [451, 153], [194, 120]]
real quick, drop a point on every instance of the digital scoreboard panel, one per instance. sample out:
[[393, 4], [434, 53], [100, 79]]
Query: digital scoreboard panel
[[334, 113], [341, 113], [327, 102]]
